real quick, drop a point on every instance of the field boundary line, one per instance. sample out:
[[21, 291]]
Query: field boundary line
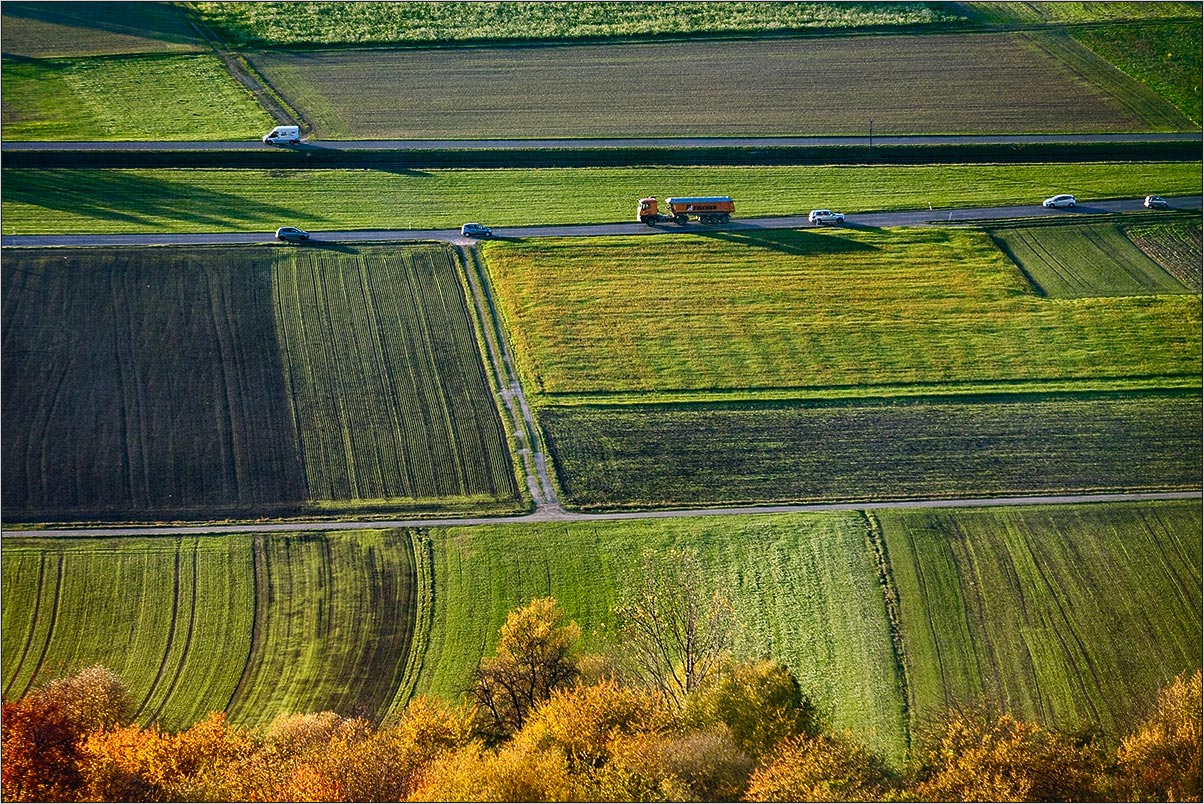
[[564, 515], [510, 388], [890, 599]]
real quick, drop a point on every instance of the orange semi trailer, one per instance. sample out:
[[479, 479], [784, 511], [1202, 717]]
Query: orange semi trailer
[[711, 209]]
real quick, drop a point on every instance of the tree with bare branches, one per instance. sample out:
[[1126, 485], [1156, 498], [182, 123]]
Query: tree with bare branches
[[676, 625]]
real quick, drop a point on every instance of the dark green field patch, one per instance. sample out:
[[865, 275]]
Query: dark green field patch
[[388, 390], [144, 382], [664, 456], [191, 383], [1078, 261], [1069, 615]]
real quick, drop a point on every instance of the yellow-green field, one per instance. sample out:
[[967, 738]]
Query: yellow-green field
[[813, 311]]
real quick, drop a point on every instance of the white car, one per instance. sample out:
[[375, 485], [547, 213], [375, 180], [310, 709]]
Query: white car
[[291, 234], [822, 216], [1155, 202], [475, 230], [1059, 201]]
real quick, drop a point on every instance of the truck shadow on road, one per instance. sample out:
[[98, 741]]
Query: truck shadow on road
[[799, 242]]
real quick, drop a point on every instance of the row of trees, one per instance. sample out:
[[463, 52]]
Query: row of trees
[[551, 724], [675, 719]]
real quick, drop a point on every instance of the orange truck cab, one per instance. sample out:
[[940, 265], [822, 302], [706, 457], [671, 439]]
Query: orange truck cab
[[708, 209]]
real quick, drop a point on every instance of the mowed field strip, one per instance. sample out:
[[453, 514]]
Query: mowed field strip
[[201, 383], [255, 626], [64, 201], [840, 85], [1067, 262]]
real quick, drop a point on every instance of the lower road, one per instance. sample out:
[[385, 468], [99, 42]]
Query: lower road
[[866, 220], [557, 514], [627, 142]]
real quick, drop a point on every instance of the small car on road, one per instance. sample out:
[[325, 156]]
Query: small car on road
[[475, 230], [1059, 201], [822, 216], [1155, 202], [291, 234]]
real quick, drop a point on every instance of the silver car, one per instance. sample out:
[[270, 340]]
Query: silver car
[[1155, 202], [1065, 201]]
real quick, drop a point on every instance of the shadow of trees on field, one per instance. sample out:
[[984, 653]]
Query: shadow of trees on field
[[143, 199], [160, 21], [798, 242]]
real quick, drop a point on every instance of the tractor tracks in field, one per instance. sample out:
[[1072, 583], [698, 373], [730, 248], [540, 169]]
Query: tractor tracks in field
[[516, 412], [890, 597]]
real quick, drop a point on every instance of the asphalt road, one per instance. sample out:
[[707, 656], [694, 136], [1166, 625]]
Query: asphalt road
[[862, 220], [632, 142], [556, 514]]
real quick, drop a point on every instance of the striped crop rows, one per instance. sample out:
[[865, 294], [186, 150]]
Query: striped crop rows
[[187, 383], [252, 626], [1061, 614], [387, 388]]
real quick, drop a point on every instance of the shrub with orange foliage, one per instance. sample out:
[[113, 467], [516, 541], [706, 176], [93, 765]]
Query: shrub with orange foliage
[[1162, 759], [980, 758], [42, 734], [827, 767]]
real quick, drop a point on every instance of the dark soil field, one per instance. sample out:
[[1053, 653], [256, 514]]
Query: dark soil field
[[897, 84], [670, 457], [192, 383]]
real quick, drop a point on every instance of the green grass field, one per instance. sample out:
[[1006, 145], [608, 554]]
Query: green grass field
[[142, 97], [195, 383], [1165, 57], [1067, 262], [1073, 11], [46, 30], [285, 24], [114, 201], [805, 586], [719, 455], [256, 626], [818, 312], [767, 87], [1068, 615]]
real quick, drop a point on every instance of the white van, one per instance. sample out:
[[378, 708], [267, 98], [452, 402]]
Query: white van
[[283, 135]]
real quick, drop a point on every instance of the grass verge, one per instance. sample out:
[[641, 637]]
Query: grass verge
[[116, 201]]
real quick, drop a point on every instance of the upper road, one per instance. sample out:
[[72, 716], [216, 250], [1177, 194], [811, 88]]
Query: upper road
[[865, 220], [635, 142]]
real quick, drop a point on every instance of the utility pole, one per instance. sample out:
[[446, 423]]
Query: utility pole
[[871, 139]]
